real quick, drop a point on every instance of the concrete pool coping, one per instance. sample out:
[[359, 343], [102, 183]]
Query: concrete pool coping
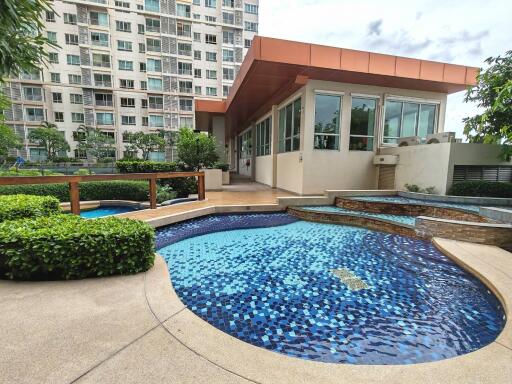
[[492, 363]]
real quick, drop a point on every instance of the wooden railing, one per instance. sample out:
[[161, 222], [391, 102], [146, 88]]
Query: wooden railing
[[74, 191]]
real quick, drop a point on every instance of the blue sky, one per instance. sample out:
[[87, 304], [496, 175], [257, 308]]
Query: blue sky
[[459, 32]]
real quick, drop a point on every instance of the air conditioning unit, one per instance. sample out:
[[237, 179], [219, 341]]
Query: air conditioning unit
[[442, 137], [408, 141], [385, 160]]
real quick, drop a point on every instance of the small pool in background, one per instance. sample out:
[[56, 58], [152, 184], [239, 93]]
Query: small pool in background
[[329, 293], [399, 219], [406, 200], [106, 211]]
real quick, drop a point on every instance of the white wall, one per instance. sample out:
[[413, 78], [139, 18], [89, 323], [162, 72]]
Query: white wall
[[432, 165], [290, 172], [218, 130], [263, 168]]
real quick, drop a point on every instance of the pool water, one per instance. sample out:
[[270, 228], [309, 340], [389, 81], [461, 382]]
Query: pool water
[[328, 293], [406, 200], [106, 211], [399, 219]]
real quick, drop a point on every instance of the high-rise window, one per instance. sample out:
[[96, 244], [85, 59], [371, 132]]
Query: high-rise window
[[104, 118], [33, 93], [211, 56], [182, 10], [123, 26], [403, 118], [153, 25], [247, 43], [183, 29], [50, 16], [210, 39], [211, 74], [126, 84], [152, 5], [327, 121], [156, 102], [156, 121], [103, 99], [225, 90], [228, 55], [123, 45], [102, 80], [198, 90], [74, 79], [57, 97], [228, 73], [70, 18], [55, 77], [185, 86], [127, 102], [251, 8], [228, 37], [77, 117], [210, 3], [251, 27], [52, 37], [127, 120], [99, 39], [76, 98], [125, 65], [289, 127], [154, 65], [184, 68], [58, 117], [98, 18], [197, 37], [197, 55], [264, 137], [186, 104], [228, 18], [154, 84], [71, 39], [228, 3], [211, 91], [362, 124], [101, 60], [53, 57], [185, 49], [73, 59]]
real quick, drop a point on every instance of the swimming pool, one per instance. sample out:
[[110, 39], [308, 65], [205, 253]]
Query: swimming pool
[[328, 293], [106, 211], [400, 219], [406, 200]]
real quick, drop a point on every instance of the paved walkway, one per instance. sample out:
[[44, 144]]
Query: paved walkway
[[134, 329]]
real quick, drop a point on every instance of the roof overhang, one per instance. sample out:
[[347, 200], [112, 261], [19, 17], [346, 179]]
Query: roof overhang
[[274, 69]]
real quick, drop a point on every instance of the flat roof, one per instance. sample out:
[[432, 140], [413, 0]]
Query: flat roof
[[273, 69]]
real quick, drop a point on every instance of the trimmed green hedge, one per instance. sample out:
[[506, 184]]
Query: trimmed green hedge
[[481, 188], [69, 247], [183, 186], [24, 206], [93, 190]]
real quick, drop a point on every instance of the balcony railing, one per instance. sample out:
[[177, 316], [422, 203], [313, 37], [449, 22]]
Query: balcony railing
[[156, 106]]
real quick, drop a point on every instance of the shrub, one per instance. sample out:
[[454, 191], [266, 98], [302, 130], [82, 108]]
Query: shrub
[[183, 186], [481, 188], [23, 206], [164, 193], [28, 172], [93, 190], [222, 166], [412, 188], [69, 247], [83, 172]]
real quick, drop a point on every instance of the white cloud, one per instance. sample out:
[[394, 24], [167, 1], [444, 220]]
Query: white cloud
[[452, 31]]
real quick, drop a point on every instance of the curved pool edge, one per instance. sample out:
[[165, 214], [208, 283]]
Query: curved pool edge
[[492, 363]]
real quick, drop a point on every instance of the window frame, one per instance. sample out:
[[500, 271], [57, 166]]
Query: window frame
[[377, 113], [319, 92], [264, 131], [282, 138]]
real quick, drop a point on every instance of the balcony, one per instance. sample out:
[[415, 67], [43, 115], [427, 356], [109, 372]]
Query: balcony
[[156, 106]]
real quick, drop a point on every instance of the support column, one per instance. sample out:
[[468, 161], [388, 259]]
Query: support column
[[74, 197], [275, 144], [152, 193], [201, 194]]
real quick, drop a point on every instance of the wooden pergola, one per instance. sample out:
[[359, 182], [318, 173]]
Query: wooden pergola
[[74, 190]]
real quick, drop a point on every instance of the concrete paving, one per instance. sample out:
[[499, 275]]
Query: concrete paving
[[134, 329]]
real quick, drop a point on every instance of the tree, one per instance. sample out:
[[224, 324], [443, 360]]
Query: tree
[[493, 94], [145, 142], [94, 142], [22, 35], [8, 138], [196, 150], [48, 137]]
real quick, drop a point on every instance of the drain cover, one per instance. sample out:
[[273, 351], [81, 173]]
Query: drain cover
[[348, 278]]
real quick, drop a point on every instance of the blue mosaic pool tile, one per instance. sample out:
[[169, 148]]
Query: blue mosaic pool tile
[[273, 287]]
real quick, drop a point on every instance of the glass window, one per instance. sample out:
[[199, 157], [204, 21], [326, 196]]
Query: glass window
[[101, 80], [156, 102], [289, 127], [327, 121], [52, 37], [228, 73], [211, 91], [184, 49], [125, 65], [76, 98], [154, 65], [33, 94], [228, 55], [251, 8], [245, 145], [99, 39], [211, 56], [71, 39], [228, 37], [183, 10], [103, 99], [103, 118], [186, 104], [99, 18], [69, 18], [75, 79], [362, 124], [152, 5], [77, 117], [154, 84], [53, 57], [156, 156], [156, 121], [73, 59], [186, 122], [57, 97], [127, 120], [124, 45], [123, 26], [403, 119], [101, 60], [251, 27], [55, 77], [153, 25], [263, 137], [58, 116], [34, 114]]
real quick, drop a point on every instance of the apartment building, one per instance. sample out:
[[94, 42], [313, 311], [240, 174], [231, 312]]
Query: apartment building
[[127, 66]]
